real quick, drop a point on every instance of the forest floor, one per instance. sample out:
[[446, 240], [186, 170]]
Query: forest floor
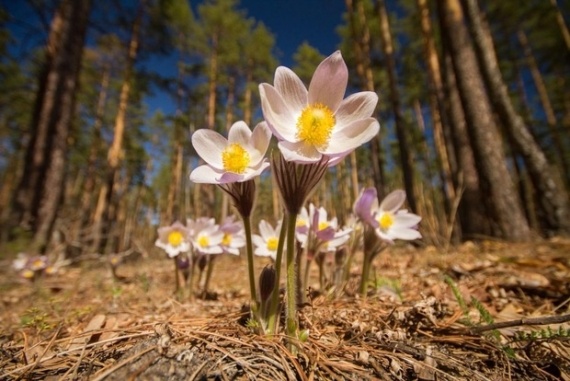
[[485, 311]]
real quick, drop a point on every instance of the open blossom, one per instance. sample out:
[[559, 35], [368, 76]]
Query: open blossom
[[317, 122], [207, 237], [234, 235], [238, 158], [174, 239], [268, 239], [321, 234], [387, 219]]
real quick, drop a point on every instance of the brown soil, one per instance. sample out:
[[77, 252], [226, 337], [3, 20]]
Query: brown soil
[[486, 311]]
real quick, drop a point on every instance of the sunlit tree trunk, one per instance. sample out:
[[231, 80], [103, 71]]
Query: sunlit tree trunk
[[401, 133], [103, 220], [506, 215], [562, 24], [361, 36], [436, 99], [552, 201]]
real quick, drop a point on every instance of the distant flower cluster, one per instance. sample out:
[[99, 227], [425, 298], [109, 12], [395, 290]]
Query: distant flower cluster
[[34, 267]]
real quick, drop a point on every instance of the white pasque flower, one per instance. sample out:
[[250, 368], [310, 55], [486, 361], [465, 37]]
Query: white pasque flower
[[234, 235], [173, 239], [392, 223], [207, 237], [268, 239], [318, 121], [238, 158]]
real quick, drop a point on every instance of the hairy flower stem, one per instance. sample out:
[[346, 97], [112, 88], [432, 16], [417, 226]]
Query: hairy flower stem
[[291, 311], [209, 271], [274, 306], [249, 249], [365, 274]]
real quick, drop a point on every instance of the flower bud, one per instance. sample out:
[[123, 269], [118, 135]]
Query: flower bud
[[266, 282]]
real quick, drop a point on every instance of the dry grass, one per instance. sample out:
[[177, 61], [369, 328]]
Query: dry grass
[[423, 320]]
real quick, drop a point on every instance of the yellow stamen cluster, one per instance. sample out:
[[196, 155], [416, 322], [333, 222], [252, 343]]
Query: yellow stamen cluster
[[227, 240], [204, 241], [235, 158], [323, 225], [175, 238], [315, 125], [272, 243], [386, 220]]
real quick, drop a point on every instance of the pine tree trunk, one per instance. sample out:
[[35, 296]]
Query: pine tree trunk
[[561, 24], [361, 48], [41, 189], [546, 106], [104, 224], [554, 212], [501, 198], [401, 133]]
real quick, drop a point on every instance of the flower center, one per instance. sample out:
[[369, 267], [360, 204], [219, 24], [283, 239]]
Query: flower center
[[386, 220], [272, 243], [175, 238], [203, 241], [323, 225], [227, 240], [235, 158], [315, 125]]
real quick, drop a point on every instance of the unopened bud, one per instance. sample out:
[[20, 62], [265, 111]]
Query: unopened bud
[[266, 282]]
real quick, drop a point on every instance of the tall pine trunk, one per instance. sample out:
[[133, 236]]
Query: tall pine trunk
[[403, 138], [40, 191], [554, 212], [502, 201], [105, 212]]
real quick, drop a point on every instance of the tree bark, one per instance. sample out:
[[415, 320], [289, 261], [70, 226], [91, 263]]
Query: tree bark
[[401, 133], [41, 189], [554, 212], [503, 204]]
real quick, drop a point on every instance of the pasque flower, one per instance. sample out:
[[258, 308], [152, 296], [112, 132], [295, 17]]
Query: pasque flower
[[317, 122], [389, 221], [238, 158], [234, 235], [267, 240], [174, 239]]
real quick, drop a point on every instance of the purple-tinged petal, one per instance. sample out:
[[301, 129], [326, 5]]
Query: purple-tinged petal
[[329, 81], [277, 114], [393, 201], [291, 88], [356, 106], [299, 152], [209, 146], [205, 174], [239, 133], [349, 137]]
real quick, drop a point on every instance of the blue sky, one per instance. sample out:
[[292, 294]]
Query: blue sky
[[295, 21]]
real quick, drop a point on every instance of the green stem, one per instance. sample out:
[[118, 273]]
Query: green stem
[[209, 271], [249, 249], [291, 311], [176, 276], [274, 306], [365, 273]]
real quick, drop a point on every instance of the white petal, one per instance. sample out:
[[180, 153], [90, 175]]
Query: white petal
[[406, 234], [209, 145], [266, 230], [299, 152], [291, 88], [347, 138], [329, 81], [260, 139], [356, 106], [277, 114], [239, 133], [393, 201], [205, 174], [407, 220]]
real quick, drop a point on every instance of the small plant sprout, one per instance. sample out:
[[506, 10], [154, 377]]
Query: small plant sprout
[[233, 164], [315, 128], [383, 223], [174, 239]]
